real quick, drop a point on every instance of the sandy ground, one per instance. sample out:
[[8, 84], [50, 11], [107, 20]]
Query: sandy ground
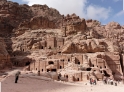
[[37, 84]]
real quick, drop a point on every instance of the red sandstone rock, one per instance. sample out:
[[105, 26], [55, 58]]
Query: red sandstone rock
[[39, 33]]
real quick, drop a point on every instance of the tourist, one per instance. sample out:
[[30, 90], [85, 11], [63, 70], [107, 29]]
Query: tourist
[[17, 76], [39, 73], [108, 81], [91, 81], [59, 76], [111, 81], [94, 82], [118, 81], [105, 80], [115, 83]]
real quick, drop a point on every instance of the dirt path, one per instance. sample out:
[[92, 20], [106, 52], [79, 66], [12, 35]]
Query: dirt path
[[28, 84]]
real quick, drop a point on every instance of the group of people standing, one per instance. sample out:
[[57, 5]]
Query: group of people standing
[[109, 81], [92, 81]]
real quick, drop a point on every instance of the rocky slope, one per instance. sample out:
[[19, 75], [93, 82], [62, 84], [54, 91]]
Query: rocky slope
[[12, 15]]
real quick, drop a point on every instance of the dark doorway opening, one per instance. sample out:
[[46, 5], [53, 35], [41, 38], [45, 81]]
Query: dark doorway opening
[[67, 76], [15, 63], [60, 67], [113, 73], [51, 62], [79, 63], [77, 79], [50, 47], [59, 52], [48, 70], [105, 73], [27, 63], [88, 69], [53, 70], [41, 47]]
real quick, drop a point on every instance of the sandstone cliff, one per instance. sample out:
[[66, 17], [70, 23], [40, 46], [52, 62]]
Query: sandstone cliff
[[33, 32]]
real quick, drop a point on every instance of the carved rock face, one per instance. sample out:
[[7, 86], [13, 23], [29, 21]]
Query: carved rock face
[[87, 46], [4, 55], [37, 31], [13, 15], [71, 24], [38, 23]]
